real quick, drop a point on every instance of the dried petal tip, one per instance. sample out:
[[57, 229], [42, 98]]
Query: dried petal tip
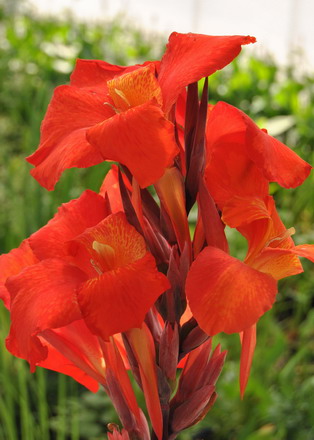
[[116, 434], [249, 40]]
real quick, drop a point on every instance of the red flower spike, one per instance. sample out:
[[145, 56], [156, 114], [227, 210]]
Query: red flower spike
[[219, 285], [190, 57], [140, 138], [248, 341], [142, 345], [119, 254], [11, 264]]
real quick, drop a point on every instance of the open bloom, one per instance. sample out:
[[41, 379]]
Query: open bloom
[[85, 268], [123, 113], [228, 295]]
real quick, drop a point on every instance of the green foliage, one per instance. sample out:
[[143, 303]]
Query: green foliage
[[38, 54]]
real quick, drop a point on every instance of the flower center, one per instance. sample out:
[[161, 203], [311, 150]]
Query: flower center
[[106, 257]]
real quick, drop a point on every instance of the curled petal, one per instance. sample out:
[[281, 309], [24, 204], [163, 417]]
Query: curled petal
[[226, 295], [63, 141], [190, 57], [56, 361], [140, 138], [43, 297], [278, 262], [305, 250], [11, 264], [93, 75], [71, 220], [277, 162], [243, 210]]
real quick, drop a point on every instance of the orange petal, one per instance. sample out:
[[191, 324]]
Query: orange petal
[[278, 262], [305, 250], [140, 138], [113, 243], [226, 295], [135, 88]]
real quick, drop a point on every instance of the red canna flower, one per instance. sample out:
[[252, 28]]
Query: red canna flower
[[88, 270], [228, 295], [122, 113]]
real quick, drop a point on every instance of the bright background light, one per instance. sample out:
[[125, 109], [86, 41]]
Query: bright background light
[[283, 28]]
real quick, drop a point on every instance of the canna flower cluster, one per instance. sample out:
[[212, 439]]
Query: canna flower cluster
[[116, 281]]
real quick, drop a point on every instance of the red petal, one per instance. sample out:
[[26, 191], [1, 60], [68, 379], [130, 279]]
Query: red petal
[[229, 170], [239, 211], [276, 160], [171, 192], [93, 75], [143, 348], [111, 188], [190, 57], [119, 299], [11, 264], [63, 141], [55, 361], [226, 295], [70, 221], [43, 297], [140, 138], [248, 341], [75, 343]]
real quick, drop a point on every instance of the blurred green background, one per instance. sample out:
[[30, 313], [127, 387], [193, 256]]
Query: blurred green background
[[36, 55]]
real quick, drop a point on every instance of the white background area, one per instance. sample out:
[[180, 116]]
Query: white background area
[[283, 28]]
